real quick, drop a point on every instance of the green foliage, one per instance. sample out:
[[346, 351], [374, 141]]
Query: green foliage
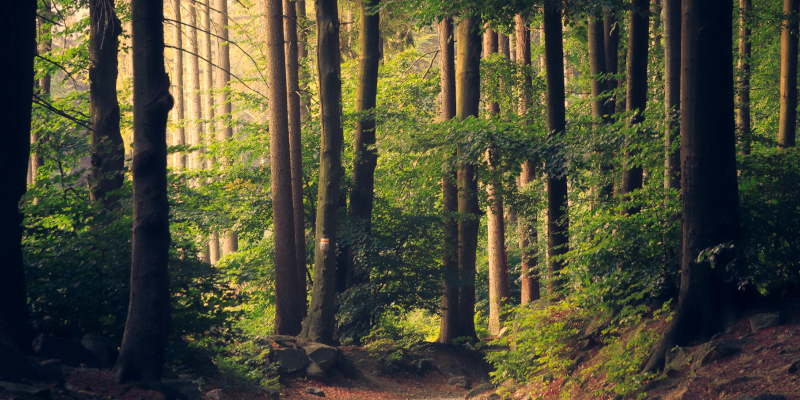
[[404, 329], [248, 362]]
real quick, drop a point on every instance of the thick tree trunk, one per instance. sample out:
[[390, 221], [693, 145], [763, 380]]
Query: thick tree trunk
[[672, 91], [141, 356], [365, 155], [557, 219], [787, 124], [179, 135], [295, 146], [636, 99], [195, 105], [319, 323], [529, 282], [287, 296], [743, 94], [611, 47], [447, 110], [710, 214], [108, 151], [18, 43]]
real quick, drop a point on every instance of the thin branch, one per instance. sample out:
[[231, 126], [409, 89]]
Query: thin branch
[[217, 66], [419, 58], [44, 103], [61, 67], [430, 65]]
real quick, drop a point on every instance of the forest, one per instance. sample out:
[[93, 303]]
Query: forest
[[582, 199]]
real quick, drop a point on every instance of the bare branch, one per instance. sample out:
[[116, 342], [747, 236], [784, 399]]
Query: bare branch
[[44, 103], [217, 66]]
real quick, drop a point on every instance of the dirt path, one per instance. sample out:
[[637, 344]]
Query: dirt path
[[432, 386]]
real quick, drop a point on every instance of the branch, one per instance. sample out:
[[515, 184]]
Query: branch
[[44, 103], [61, 67], [430, 65], [217, 66], [419, 58]]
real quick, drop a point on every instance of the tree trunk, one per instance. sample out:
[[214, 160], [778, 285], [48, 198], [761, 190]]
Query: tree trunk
[[601, 107], [230, 241], [743, 94], [710, 202], [467, 105], [557, 219], [787, 123], [447, 110], [302, 53], [295, 147], [319, 323], [45, 44], [636, 98], [179, 135], [141, 356], [195, 109], [18, 41], [365, 155], [287, 296], [672, 91], [108, 151], [529, 283], [611, 47], [504, 46], [213, 250]]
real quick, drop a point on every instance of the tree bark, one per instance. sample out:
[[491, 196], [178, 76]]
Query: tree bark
[[672, 90], [319, 323], [557, 219], [295, 146], [18, 41], [710, 213], [602, 108], [287, 296], [636, 98], [743, 94], [45, 44], [208, 108], [787, 124], [141, 356], [611, 47], [195, 105], [529, 282], [365, 155], [179, 135], [449, 322], [302, 53]]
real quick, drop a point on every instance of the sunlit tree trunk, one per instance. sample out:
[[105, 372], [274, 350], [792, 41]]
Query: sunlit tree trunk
[[302, 53], [141, 356], [449, 322], [179, 135], [743, 94], [710, 200], [208, 108], [557, 220], [787, 124], [18, 43], [467, 105], [195, 104], [672, 90], [319, 323]]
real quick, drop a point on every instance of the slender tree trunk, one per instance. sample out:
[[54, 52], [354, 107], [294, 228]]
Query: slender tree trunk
[[710, 201], [295, 146], [787, 124], [601, 107], [287, 296], [611, 47], [179, 135], [45, 43], [504, 46], [141, 356], [743, 94], [529, 282], [319, 323], [467, 105], [18, 41], [302, 53], [557, 219], [195, 104], [672, 90], [447, 111], [208, 108], [365, 155], [230, 241], [108, 151], [636, 99]]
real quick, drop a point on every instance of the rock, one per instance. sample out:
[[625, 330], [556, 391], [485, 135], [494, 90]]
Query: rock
[[16, 366], [179, 389], [792, 368], [789, 350], [494, 396], [68, 351], [215, 394], [315, 391], [677, 358], [313, 371], [709, 352], [462, 382], [324, 356], [291, 360], [103, 348], [766, 320], [345, 366], [24, 390], [769, 396], [449, 370], [485, 387]]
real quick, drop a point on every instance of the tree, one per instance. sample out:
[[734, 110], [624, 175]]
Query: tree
[[468, 96], [179, 135], [365, 155], [18, 43], [195, 105], [529, 286], [45, 43], [611, 47], [288, 316], [672, 90], [636, 98], [447, 110], [787, 124], [601, 109], [141, 356], [557, 219], [295, 147], [320, 320], [743, 64], [208, 108], [108, 151], [710, 201]]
